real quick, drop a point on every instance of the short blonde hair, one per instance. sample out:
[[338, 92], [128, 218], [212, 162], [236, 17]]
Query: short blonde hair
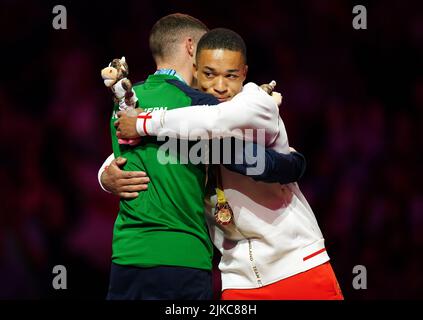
[[169, 30]]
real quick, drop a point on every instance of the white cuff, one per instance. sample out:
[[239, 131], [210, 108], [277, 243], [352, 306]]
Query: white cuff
[[102, 168], [149, 123]]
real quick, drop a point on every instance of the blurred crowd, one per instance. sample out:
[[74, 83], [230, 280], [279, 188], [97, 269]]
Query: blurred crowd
[[353, 105]]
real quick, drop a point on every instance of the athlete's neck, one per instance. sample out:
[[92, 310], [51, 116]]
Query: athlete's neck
[[184, 72]]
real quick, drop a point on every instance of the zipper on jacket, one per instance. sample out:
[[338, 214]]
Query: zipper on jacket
[[253, 264]]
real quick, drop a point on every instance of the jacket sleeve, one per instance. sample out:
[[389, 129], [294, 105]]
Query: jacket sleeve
[[106, 163], [251, 109], [267, 165]]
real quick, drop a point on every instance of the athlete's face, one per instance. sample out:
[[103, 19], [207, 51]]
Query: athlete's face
[[220, 72]]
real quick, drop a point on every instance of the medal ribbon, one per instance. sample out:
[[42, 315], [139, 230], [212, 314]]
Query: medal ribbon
[[221, 199], [223, 212]]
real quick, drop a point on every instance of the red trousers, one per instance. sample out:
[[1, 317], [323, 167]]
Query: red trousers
[[318, 283]]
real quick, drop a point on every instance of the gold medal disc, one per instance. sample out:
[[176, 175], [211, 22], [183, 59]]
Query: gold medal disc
[[223, 214]]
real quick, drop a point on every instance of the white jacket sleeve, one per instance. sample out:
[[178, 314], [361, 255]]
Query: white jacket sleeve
[[102, 168], [252, 109]]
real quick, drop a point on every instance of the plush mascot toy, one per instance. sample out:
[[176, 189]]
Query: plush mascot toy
[[115, 78]]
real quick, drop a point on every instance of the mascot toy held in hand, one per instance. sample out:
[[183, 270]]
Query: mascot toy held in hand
[[115, 78]]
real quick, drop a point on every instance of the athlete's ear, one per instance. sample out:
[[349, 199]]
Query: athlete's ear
[[245, 71], [189, 45], [195, 70]]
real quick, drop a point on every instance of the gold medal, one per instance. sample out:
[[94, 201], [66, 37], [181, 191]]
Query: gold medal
[[223, 213]]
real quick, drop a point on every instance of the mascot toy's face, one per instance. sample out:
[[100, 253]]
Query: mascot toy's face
[[117, 70]]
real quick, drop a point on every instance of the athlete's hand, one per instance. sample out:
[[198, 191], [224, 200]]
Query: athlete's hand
[[126, 125], [125, 184], [277, 97], [269, 88]]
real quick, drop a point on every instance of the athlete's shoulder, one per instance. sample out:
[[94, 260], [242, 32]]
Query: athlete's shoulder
[[197, 97], [139, 83]]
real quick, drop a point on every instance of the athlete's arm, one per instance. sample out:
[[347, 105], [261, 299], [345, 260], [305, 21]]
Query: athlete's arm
[[270, 167], [259, 163], [252, 108], [125, 184], [274, 167]]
